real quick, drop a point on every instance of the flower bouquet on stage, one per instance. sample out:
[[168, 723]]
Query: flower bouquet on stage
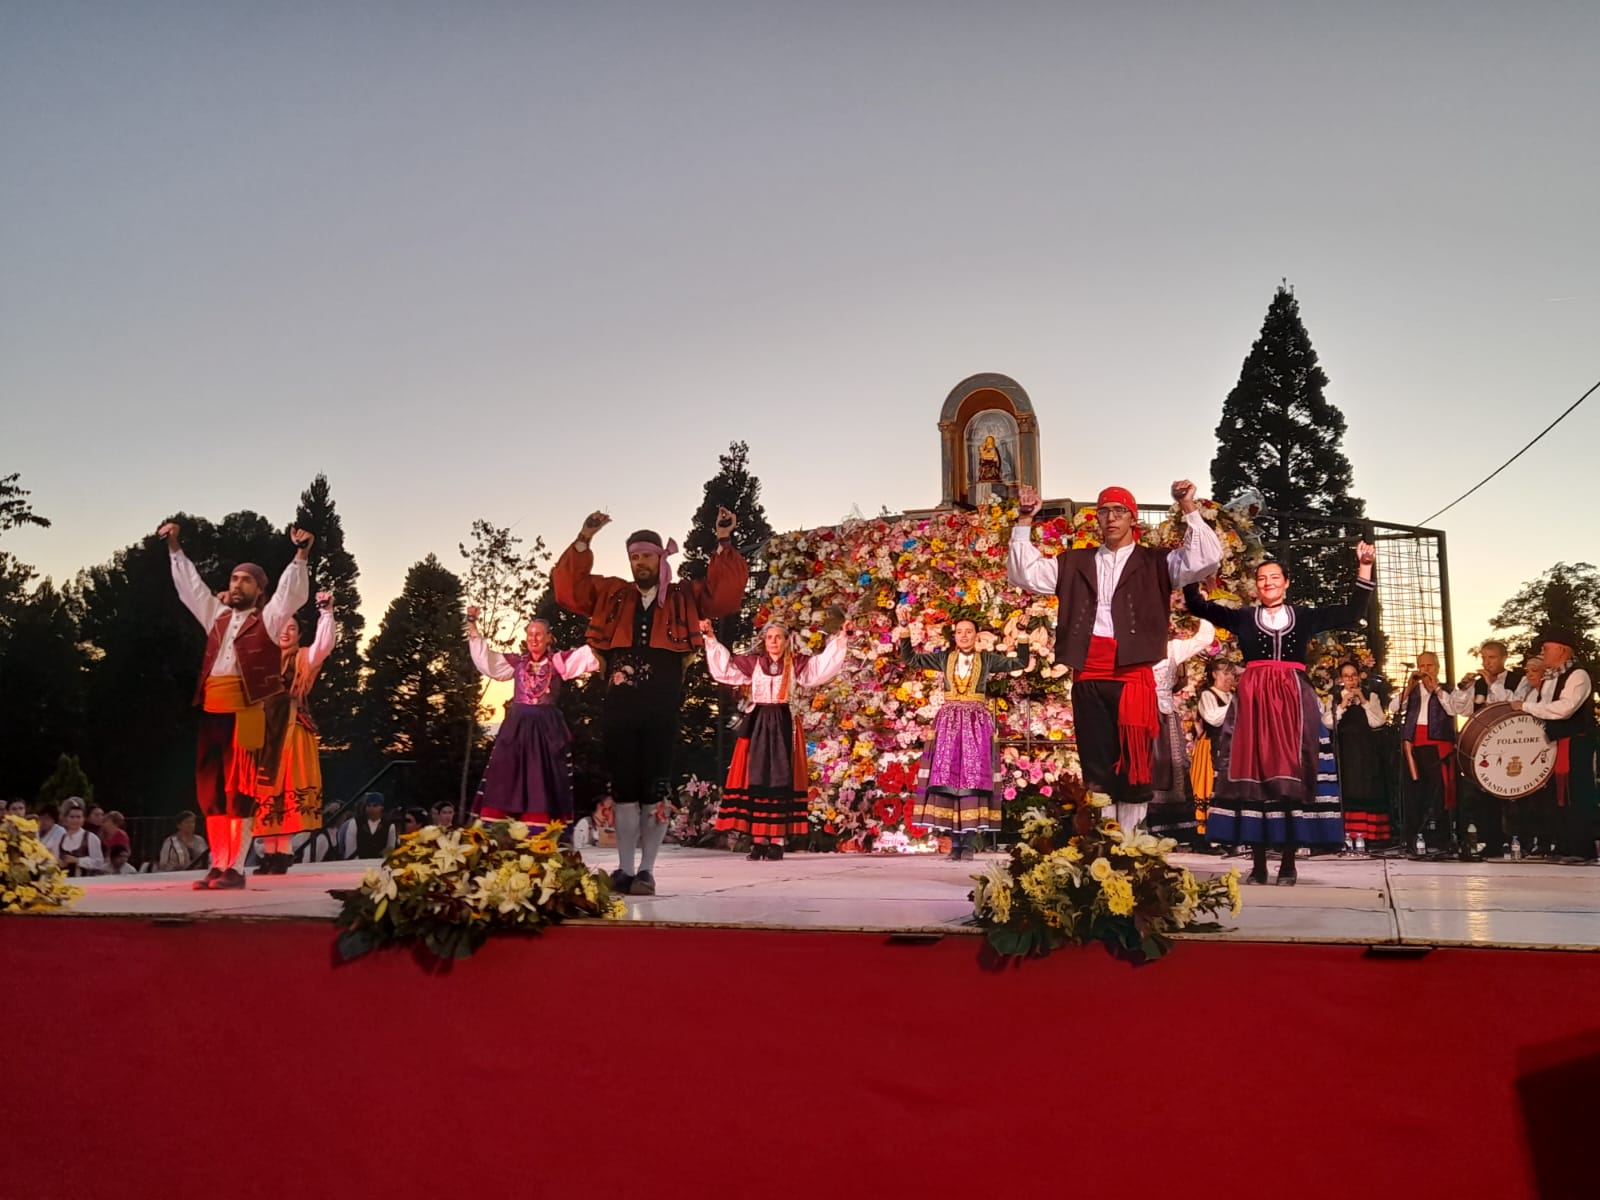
[[31, 880], [1076, 877], [448, 889]]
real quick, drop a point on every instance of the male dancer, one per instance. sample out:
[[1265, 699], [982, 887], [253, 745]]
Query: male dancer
[[1111, 629], [644, 630], [1565, 703], [241, 669]]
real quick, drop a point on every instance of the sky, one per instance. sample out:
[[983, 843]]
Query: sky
[[523, 260]]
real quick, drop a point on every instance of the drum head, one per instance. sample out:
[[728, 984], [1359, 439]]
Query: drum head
[[1506, 752]]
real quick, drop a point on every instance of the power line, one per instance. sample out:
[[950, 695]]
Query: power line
[[1514, 457]]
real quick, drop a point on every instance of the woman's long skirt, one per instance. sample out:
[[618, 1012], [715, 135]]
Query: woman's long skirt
[[960, 769], [529, 775], [294, 802], [765, 793], [1172, 811], [1268, 795], [1366, 799]]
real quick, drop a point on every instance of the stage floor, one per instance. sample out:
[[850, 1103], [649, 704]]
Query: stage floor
[[1338, 900]]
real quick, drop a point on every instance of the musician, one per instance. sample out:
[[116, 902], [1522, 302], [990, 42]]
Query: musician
[[1492, 685], [1428, 710], [1565, 703], [1355, 715]]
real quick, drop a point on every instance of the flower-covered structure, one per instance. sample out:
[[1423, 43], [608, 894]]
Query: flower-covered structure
[[865, 730]]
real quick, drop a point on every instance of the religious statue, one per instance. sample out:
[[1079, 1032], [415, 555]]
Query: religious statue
[[992, 463]]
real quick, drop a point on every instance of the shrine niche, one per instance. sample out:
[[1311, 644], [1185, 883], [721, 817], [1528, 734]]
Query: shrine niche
[[989, 441]]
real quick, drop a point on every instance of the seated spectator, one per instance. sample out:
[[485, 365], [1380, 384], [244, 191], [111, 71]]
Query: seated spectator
[[114, 832], [416, 818], [80, 852], [185, 850], [17, 808], [117, 861], [371, 835], [50, 830], [444, 814]]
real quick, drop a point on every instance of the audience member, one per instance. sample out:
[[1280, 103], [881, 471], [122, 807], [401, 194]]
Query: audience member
[[371, 835], [185, 850], [80, 852], [17, 808], [114, 832], [117, 861], [50, 830], [444, 814], [416, 818]]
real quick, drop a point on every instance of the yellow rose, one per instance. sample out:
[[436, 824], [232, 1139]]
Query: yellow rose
[[1101, 870]]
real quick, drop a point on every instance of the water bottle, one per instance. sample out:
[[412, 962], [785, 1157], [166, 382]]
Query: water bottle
[[1516, 848], [1422, 846]]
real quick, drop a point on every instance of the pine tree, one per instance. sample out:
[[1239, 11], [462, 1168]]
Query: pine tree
[[337, 698], [1281, 436], [706, 745], [66, 781], [15, 508], [421, 683], [1568, 594], [42, 676]]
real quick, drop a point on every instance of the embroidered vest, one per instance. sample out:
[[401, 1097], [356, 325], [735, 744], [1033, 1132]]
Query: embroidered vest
[[1441, 725], [260, 659]]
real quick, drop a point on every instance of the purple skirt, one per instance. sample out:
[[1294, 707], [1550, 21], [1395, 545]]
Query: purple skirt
[[530, 767], [959, 771]]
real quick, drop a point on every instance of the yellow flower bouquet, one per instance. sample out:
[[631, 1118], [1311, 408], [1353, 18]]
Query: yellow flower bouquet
[[1076, 877], [450, 888], [31, 880]]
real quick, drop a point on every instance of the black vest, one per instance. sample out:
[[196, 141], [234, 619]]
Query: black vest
[[371, 845], [1140, 607], [1581, 723]]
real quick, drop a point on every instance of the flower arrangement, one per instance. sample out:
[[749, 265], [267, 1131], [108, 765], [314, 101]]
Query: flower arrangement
[[31, 880], [1325, 652], [865, 730], [694, 813], [1076, 877], [449, 889]]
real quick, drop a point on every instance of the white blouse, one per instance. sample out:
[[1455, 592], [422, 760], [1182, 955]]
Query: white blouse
[[1179, 651], [569, 664], [810, 670]]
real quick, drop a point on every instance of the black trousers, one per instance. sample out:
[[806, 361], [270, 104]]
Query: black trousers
[[1422, 807], [641, 732], [212, 760], [1094, 723]]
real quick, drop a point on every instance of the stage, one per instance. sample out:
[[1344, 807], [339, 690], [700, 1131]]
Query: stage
[[1339, 901]]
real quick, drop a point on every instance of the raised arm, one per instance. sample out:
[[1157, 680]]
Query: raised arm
[[1353, 611], [1220, 615], [719, 662], [327, 632], [1181, 650], [192, 590], [721, 592], [294, 585], [818, 668], [573, 576], [570, 664]]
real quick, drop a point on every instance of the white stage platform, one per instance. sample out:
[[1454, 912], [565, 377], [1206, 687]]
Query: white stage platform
[[1338, 900]]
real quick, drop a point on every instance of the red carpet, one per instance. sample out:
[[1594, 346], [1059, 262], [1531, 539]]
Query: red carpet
[[636, 1062]]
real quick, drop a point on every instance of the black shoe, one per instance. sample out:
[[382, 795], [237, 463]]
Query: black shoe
[[229, 881], [758, 851], [775, 851], [644, 884], [621, 882], [1286, 878], [1257, 875], [210, 880], [968, 853]]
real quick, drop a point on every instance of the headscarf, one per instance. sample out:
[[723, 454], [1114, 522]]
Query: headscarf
[[648, 541]]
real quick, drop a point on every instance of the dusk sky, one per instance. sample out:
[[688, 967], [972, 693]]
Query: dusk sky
[[523, 260]]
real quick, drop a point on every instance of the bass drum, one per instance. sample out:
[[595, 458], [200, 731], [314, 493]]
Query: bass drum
[[1506, 752]]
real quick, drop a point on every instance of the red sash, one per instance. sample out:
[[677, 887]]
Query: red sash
[[1138, 718]]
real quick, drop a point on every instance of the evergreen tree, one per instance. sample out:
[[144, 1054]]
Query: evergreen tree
[[15, 508], [1568, 594], [1281, 436], [337, 698], [66, 781], [503, 582], [42, 676], [706, 743], [421, 683]]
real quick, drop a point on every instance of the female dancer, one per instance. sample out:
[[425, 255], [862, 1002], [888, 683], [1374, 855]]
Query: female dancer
[[1172, 805], [765, 794], [529, 776], [1268, 797], [291, 801], [960, 765], [1355, 716]]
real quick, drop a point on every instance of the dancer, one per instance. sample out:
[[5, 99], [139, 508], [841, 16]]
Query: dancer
[[241, 671], [1565, 703], [1355, 716], [1111, 629], [1268, 796], [765, 795], [529, 776], [1211, 743], [644, 629], [960, 764], [1172, 806], [291, 801]]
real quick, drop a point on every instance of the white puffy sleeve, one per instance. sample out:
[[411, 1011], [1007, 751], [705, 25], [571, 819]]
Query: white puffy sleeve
[[720, 664], [1026, 567], [570, 664], [487, 659], [817, 669]]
